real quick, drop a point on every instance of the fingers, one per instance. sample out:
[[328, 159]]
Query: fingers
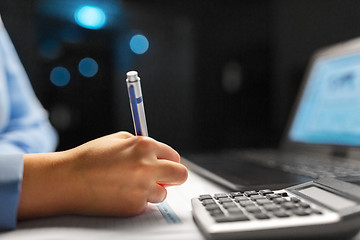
[[148, 145], [161, 150], [163, 161], [170, 173], [123, 135], [157, 194], [166, 152], [166, 168]]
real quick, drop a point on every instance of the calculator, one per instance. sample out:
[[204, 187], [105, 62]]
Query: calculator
[[325, 207]]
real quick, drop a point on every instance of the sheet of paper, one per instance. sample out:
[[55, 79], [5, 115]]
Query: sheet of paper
[[171, 219]]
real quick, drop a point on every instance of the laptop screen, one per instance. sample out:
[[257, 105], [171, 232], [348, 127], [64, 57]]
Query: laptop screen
[[329, 109]]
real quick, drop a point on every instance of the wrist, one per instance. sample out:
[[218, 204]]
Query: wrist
[[43, 192]]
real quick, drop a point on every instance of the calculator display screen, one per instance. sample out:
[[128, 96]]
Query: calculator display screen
[[327, 198]]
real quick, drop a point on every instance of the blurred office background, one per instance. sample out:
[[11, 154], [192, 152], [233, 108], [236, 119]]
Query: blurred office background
[[215, 74]]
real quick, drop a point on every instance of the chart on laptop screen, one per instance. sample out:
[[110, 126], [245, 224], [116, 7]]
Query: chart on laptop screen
[[329, 110]]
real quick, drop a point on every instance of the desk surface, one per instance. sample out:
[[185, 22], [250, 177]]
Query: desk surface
[[173, 221]]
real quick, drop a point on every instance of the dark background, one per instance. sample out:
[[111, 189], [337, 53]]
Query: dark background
[[218, 74]]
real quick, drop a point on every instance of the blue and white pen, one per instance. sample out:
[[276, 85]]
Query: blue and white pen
[[136, 103]]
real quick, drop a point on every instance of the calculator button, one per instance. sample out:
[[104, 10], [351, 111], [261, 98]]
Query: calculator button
[[220, 195], [271, 207], [272, 196], [263, 201], [246, 203], [300, 212], [250, 193], [252, 209], [261, 215], [255, 197], [288, 205], [234, 210], [216, 212], [229, 205], [205, 196], [283, 194], [315, 211], [211, 207], [265, 192], [279, 200], [231, 218], [304, 205], [235, 194], [224, 200], [280, 214], [208, 201], [238, 199], [294, 199]]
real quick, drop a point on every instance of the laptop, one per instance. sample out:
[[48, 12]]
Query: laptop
[[322, 138]]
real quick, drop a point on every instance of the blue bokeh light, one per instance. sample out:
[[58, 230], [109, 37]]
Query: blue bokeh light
[[90, 17], [60, 76], [88, 67], [139, 44]]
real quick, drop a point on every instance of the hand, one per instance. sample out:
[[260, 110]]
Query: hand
[[115, 175]]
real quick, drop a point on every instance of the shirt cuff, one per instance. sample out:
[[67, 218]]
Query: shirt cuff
[[11, 172]]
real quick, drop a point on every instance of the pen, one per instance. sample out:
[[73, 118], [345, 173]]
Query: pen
[[136, 103]]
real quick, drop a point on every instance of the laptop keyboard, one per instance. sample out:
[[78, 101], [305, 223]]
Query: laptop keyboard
[[305, 165]]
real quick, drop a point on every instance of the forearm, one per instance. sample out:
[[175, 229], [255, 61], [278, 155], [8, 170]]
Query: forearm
[[44, 191]]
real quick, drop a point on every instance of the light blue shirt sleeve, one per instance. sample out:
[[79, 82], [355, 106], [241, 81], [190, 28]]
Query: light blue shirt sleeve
[[24, 128], [10, 184]]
